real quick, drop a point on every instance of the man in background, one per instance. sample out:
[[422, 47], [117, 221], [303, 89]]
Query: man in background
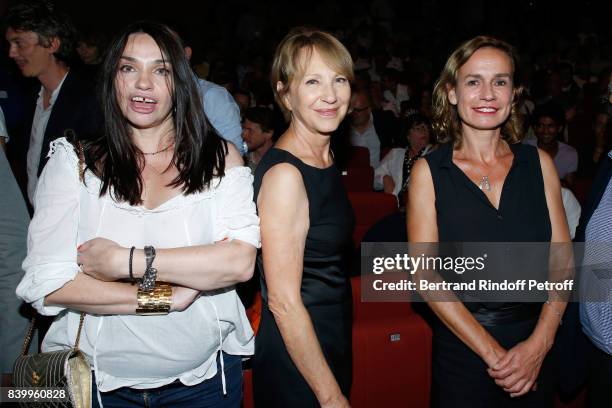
[[258, 133], [41, 42]]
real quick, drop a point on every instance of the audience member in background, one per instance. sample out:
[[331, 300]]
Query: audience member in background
[[420, 104], [552, 88], [258, 134], [370, 128], [572, 210], [602, 133], [159, 177], [91, 45], [548, 122], [219, 107], [243, 99], [393, 173], [394, 92], [479, 358], [14, 220], [41, 40], [4, 137], [303, 347], [596, 285]]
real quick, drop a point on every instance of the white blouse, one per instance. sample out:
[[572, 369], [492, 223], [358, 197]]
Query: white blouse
[[130, 350]]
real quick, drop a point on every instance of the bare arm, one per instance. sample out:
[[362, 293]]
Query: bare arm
[[283, 208], [422, 227]]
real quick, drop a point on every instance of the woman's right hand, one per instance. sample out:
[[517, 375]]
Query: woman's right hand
[[339, 401], [182, 298]]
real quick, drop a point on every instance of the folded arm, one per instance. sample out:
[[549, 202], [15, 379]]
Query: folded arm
[[227, 261]]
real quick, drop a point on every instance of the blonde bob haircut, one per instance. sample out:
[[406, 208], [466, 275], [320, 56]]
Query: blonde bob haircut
[[446, 121], [292, 56]]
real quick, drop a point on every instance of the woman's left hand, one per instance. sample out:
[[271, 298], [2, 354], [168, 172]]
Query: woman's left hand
[[101, 258], [518, 370]]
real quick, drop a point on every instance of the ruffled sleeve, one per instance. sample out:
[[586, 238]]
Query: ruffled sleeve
[[52, 235], [236, 213]]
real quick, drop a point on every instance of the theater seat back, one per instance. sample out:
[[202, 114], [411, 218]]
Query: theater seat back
[[369, 208], [358, 179], [391, 355]]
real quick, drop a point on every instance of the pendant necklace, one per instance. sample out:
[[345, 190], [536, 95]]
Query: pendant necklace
[[484, 184]]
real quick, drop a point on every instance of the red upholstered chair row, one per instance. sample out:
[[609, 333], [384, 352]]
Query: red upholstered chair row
[[358, 179], [391, 354], [358, 157], [369, 207]]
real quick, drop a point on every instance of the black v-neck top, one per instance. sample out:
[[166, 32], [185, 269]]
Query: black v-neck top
[[465, 214]]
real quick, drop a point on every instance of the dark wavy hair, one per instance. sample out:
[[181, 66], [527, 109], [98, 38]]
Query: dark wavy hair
[[446, 121], [199, 153], [47, 21]]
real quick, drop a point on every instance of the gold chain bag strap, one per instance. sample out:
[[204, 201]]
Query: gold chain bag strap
[[66, 369]]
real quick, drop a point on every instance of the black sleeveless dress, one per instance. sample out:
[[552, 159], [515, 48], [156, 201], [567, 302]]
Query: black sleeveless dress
[[465, 214], [325, 291]]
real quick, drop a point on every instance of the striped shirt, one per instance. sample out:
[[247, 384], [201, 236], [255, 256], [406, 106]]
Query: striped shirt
[[596, 313]]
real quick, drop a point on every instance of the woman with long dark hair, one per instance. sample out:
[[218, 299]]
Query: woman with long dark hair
[[165, 224]]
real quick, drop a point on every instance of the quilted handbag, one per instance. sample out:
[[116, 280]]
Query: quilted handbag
[[65, 369]]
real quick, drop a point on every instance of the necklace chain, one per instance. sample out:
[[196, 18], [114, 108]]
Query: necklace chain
[[159, 151]]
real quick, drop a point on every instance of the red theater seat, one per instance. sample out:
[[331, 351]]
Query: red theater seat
[[358, 179], [369, 207], [358, 157], [247, 389], [391, 355]]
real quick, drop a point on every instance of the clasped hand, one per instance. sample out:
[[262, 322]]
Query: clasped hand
[[517, 371], [103, 259]]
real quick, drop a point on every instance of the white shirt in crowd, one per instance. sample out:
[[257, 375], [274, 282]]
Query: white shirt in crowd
[[3, 131], [566, 159], [37, 134], [572, 210], [368, 139], [393, 165], [393, 102], [130, 350]]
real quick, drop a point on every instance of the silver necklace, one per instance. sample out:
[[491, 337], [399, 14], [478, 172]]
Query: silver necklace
[[484, 184]]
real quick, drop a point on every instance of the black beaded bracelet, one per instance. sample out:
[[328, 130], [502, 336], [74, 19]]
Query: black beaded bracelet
[[132, 280]]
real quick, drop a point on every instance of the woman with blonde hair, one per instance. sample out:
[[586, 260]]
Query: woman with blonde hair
[[484, 186], [303, 347]]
